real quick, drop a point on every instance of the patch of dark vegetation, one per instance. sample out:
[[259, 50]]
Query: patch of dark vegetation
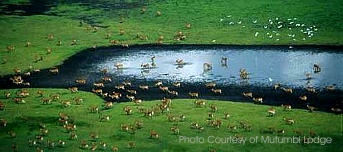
[[34, 7]]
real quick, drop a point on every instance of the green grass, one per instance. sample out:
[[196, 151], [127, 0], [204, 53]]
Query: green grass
[[62, 20], [24, 119]]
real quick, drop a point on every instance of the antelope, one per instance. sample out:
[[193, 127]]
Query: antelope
[[73, 42], [7, 94], [80, 81], [66, 103], [49, 37], [276, 86], [243, 74], [153, 134], [223, 61], [199, 103], [316, 68], [132, 91], [177, 84], [216, 91], [99, 85], [84, 144], [330, 88], [119, 65], [311, 108], [288, 90], [271, 112], [94, 136], [93, 109], [121, 32], [131, 144], [69, 127], [78, 100], [210, 115], [188, 25], [127, 83], [144, 87], [120, 86], [97, 91], [179, 62], [19, 100], [73, 136], [194, 94], [3, 123], [54, 70], [137, 101], [213, 108], [175, 93], [113, 42], [226, 115], [210, 85], [115, 95], [139, 124], [164, 89], [105, 118], [17, 71], [115, 149], [10, 48], [131, 98], [40, 93], [336, 110], [73, 89], [143, 9], [127, 110], [158, 83], [55, 96], [207, 66], [103, 145], [106, 79], [166, 101], [175, 130], [258, 100], [108, 105], [303, 97], [247, 94], [2, 106], [46, 100], [289, 121], [286, 107], [311, 89], [145, 66], [231, 128], [124, 127], [160, 39], [94, 146]]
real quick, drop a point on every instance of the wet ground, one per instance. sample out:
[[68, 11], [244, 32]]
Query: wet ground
[[265, 65]]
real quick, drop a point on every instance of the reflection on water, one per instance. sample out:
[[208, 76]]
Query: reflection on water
[[264, 66]]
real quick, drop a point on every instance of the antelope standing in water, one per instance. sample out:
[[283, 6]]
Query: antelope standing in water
[[316, 68]]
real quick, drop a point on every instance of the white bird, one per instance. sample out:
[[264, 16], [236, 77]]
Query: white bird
[[255, 21], [221, 20], [256, 34], [270, 79]]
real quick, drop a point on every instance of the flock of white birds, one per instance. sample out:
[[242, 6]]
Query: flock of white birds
[[275, 28]]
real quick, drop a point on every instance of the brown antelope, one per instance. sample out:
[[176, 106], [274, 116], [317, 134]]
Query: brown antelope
[[188, 25], [287, 90], [115, 149], [175, 130], [54, 70], [298, 132], [210, 115], [336, 110], [17, 71], [177, 84], [179, 62], [10, 48], [127, 110], [131, 98], [160, 39], [132, 91], [311, 89], [46, 100], [164, 89], [121, 32], [330, 88], [49, 37], [139, 124], [145, 65], [216, 91], [289, 121], [174, 93], [247, 94], [19, 100], [55, 97], [80, 81], [210, 85], [93, 109], [144, 87], [115, 95], [99, 85], [166, 101], [7, 94], [213, 107], [23, 94], [94, 136], [119, 65], [124, 127], [78, 100], [43, 131], [311, 108], [271, 112], [97, 91], [73, 89], [243, 74], [137, 101], [104, 118], [73, 42], [258, 100], [3, 122], [120, 86], [153, 134], [276, 86], [106, 79], [40, 93], [303, 97], [2, 106], [66, 103], [316, 68], [207, 66], [199, 103], [73, 136], [131, 144], [194, 94], [108, 105], [143, 9], [158, 83], [226, 115], [286, 107], [69, 127]]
